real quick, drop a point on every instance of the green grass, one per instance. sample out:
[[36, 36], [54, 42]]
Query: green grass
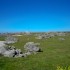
[[55, 53], [2, 38]]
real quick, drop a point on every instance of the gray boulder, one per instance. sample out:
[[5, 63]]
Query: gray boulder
[[10, 39], [9, 53], [2, 47], [31, 47]]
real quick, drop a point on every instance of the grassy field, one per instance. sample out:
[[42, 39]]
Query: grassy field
[[55, 53]]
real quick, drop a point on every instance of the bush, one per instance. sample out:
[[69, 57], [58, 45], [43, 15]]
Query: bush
[[61, 68]]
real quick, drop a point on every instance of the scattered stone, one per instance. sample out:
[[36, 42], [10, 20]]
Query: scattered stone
[[2, 48], [49, 35], [17, 35], [28, 53], [31, 47], [9, 53], [60, 34], [39, 37], [61, 39], [10, 39]]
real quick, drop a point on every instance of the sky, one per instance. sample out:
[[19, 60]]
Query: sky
[[34, 15]]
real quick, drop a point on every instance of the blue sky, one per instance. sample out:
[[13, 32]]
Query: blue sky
[[34, 15]]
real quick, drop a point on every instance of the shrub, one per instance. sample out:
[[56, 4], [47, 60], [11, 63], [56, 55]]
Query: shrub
[[61, 68]]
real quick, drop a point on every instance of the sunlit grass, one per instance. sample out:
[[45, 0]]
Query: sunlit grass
[[55, 53]]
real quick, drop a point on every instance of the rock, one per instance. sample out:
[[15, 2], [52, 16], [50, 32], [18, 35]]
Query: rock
[[10, 39], [39, 37], [13, 53], [2, 48], [20, 55], [31, 47], [28, 53], [9, 53], [61, 39]]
